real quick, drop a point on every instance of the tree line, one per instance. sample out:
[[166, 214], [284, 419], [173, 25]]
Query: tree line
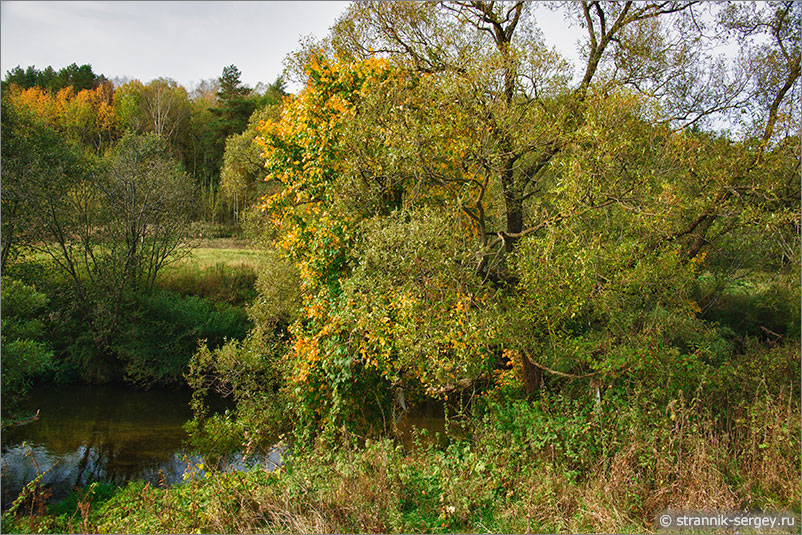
[[101, 185], [92, 112]]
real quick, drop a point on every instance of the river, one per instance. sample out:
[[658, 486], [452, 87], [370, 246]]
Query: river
[[109, 433], [116, 434]]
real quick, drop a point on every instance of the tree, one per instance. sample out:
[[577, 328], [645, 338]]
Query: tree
[[455, 202], [146, 203], [40, 169], [242, 175], [530, 148], [234, 106], [160, 107], [79, 78]]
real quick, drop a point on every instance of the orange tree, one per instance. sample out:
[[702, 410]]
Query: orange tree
[[86, 116]]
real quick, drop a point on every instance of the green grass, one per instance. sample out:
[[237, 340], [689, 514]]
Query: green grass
[[204, 257], [223, 270], [491, 481], [203, 253]]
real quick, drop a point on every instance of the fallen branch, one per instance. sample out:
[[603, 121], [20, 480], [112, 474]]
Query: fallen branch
[[561, 374], [27, 421]]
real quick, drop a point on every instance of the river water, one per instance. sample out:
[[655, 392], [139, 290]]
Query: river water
[[116, 434], [109, 433]]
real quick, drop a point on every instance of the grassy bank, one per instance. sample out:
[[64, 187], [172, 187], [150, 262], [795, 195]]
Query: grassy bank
[[547, 466], [716, 428], [220, 269]]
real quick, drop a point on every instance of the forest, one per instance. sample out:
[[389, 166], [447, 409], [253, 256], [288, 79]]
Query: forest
[[586, 272]]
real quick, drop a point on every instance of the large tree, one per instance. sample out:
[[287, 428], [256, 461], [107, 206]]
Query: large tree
[[455, 200], [234, 104], [493, 118]]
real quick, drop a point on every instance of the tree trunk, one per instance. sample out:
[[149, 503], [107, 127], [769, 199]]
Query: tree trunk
[[515, 218], [532, 376]]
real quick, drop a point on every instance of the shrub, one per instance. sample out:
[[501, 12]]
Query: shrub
[[250, 372], [26, 352], [163, 332]]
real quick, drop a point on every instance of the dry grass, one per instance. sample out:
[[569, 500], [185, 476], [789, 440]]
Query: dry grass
[[691, 462]]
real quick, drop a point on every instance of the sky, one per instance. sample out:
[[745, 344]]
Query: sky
[[186, 41]]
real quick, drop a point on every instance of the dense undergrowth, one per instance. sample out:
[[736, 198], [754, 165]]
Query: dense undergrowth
[[49, 336], [704, 433], [555, 465]]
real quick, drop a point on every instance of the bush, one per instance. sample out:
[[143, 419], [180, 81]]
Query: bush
[[250, 372], [163, 332], [26, 352]]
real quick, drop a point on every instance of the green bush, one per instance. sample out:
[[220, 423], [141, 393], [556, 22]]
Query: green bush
[[249, 372], [163, 332], [26, 353]]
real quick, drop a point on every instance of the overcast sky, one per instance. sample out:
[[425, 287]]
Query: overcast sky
[[185, 41]]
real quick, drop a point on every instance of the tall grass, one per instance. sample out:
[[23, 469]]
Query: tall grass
[[494, 480], [233, 283]]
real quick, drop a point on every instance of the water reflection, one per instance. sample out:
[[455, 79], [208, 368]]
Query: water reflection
[[116, 434], [107, 433], [424, 425]]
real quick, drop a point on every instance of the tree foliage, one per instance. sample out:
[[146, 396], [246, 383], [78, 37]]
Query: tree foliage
[[26, 354], [78, 77], [86, 116], [455, 201]]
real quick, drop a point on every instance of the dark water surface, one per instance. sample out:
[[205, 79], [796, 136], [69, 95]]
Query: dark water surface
[[126, 427], [87, 433], [116, 434]]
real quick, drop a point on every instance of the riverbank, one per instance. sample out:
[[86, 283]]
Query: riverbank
[[522, 467]]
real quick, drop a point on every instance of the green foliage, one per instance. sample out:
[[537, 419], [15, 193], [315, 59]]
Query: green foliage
[[162, 332], [422, 317], [250, 372], [597, 305], [278, 300], [78, 78], [157, 332], [26, 351]]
